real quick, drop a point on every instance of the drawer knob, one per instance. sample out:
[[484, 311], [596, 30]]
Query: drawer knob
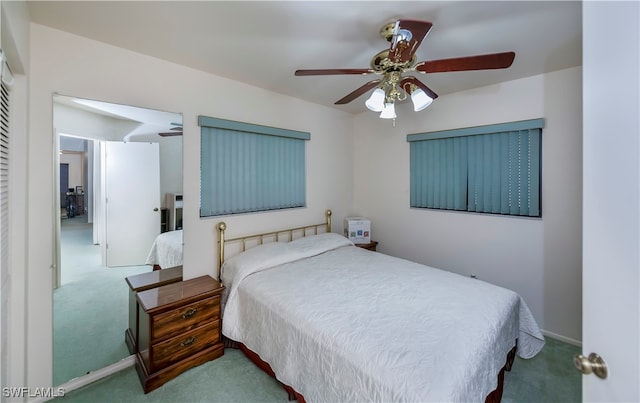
[[190, 312], [189, 341]]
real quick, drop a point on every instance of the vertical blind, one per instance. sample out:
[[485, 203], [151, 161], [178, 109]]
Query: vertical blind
[[486, 169], [247, 168], [439, 173]]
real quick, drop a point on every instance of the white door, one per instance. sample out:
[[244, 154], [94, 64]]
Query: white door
[[611, 198], [132, 201]]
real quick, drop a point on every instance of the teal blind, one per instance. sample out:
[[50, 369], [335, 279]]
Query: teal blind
[[486, 169], [439, 173], [247, 168]]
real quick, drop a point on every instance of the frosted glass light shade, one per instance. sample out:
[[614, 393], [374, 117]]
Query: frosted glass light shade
[[389, 111], [420, 100], [376, 101]]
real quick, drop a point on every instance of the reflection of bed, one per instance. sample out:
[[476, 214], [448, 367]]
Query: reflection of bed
[[166, 250], [335, 322]]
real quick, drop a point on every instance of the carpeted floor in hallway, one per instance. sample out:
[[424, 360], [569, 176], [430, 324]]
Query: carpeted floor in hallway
[[90, 309]]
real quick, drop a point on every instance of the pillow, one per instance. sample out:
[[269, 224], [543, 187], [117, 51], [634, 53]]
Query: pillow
[[320, 243], [254, 259], [272, 254]]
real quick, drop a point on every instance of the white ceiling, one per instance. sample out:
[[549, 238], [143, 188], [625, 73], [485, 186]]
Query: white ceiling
[[262, 43]]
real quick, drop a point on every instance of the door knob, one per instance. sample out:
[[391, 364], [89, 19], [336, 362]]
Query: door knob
[[591, 364], [155, 209]]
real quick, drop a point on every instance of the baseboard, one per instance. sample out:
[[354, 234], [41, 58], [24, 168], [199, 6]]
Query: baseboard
[[77, 383], [565, 339]]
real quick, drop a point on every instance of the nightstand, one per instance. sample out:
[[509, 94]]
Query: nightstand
[[370, 246], [179, 328], [142, 282]]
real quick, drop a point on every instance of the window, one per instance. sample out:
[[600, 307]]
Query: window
[[485, 169], [246, 168]]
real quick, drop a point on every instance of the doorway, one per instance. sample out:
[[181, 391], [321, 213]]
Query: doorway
[[91, 302], [64, 182]]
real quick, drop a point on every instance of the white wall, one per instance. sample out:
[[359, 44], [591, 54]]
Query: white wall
[[15, 44], [538, 258], [75, 66], [81, 123]]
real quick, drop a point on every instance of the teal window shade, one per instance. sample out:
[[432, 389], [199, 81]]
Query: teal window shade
[[486, 169], [247, 168]]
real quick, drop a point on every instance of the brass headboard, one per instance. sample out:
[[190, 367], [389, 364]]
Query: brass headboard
[[273, 235]]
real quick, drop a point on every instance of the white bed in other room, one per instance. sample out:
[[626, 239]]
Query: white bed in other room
[[166, 250], [335, 322]]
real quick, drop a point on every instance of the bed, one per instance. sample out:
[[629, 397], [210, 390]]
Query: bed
[[166, 250], [335, 322]]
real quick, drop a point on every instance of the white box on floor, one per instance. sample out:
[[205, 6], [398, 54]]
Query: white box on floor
[[357, 229]]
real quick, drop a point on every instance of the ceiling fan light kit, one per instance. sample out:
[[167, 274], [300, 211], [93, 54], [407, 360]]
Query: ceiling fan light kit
[[389, 111], [405, 37], [420, 100], [375, 102]]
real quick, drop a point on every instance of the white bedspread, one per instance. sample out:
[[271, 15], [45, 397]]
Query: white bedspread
[[166, 250], [339, 323]]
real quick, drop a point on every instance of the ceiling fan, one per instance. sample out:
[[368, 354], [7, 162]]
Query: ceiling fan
[[176, 130], [405, 37]]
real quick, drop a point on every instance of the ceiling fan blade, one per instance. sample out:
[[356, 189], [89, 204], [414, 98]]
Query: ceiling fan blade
[[325, 72], [355, 94], [407, 36], [479, 62], [406, 82], [169, 134]]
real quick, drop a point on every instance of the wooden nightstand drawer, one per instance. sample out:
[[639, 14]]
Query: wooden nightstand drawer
[[143, 282], [178, 321], [179, 328], [175, 349]]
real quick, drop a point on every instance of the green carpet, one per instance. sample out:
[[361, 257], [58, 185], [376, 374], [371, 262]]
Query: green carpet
[[90, 309], [230, 378], [548, 377]]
